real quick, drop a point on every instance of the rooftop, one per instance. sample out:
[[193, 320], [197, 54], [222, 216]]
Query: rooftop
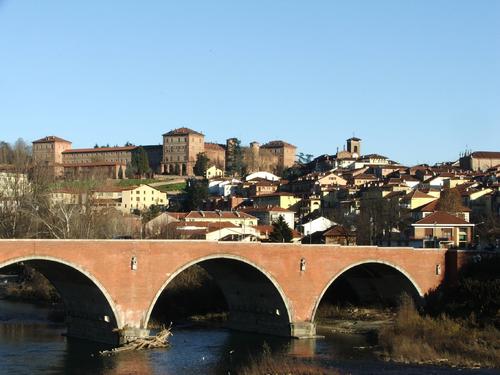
[[486, 154], [276, 144], [442, 218], [50, 138], [181, 131], [99, 149], [218, 214]]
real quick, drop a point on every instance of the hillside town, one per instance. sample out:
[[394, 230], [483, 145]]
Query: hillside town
[[188, 188]]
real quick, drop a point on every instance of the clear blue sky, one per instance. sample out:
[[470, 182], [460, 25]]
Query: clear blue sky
[[416, 80]]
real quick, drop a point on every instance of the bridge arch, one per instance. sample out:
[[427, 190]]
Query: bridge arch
[[403, 273], [262, 289], [90, 311]]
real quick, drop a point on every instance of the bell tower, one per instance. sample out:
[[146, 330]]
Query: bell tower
[[354, 146]]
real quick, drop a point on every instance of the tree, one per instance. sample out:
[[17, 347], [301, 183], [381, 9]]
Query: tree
[[140, 162], [196, 194], [236, 165], [281, 231], [450, 201], [120, 173], [129, 172], [378, 217], [201, 165]]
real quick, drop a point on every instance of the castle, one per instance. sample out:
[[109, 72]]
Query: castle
[[177, 155]]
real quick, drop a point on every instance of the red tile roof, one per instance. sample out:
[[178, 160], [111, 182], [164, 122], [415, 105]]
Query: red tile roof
[[99, 149], [418, 194], [214, 147], [181, 131], [50, 138], [486, 155], [443, 218], [112, 189], [219, 214], [277, 144], [94, 164], [266, 209], [338, 230]]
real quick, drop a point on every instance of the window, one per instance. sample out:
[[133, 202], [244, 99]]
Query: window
[[447, 233]]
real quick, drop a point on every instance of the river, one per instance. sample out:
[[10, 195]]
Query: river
[[29, 344]]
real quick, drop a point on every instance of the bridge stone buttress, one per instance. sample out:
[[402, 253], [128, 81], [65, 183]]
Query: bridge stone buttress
[[270, 288]]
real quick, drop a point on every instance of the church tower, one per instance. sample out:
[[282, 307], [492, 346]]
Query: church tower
[[354, 146]]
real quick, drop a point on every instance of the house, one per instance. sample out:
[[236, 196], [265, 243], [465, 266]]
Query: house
[[262, 175], [373, 159], [67, 197], [423, 211], [416, 199], [13, 185], [315, 182], [362, 179], [224, 188], [268, 215], [237, 218], [441, 230], [261, 187], [158, 225], [213, 172], [142, 197], [210, 231], [339, 235], [278, 199], [319, 224]]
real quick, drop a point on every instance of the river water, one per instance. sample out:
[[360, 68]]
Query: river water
[[29, 344]]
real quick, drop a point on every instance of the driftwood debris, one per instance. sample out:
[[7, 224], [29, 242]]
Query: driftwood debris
[[151, 342]]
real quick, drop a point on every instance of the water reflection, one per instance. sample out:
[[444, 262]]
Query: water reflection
[[34, 346]]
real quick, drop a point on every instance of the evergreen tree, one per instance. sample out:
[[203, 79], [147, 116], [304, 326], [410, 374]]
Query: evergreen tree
[[201, 165], [120, 173], [197, 194], [237, 166], [129, 172], [140, 162], [281, 231]]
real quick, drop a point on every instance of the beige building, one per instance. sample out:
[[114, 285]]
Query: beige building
[[67, 197], [283, 152], [47, 152], [417, 199], [142, 197], [63, 161], [127, 199], [213, 172], [116, 155], [480, 160], [278, 199], [180, 149]]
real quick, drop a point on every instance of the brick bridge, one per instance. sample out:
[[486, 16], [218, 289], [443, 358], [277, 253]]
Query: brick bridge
[[269, 288]]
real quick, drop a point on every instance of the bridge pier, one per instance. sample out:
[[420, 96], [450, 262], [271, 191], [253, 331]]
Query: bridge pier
[[303, 330]]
